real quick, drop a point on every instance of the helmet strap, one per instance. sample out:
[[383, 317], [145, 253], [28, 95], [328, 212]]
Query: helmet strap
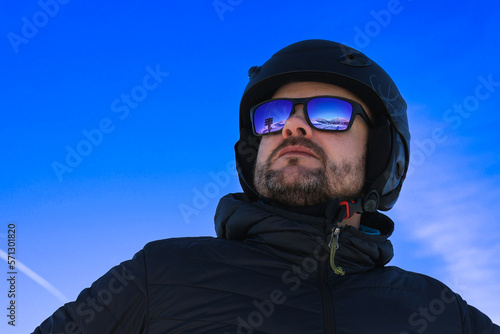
[[347, 209], [350, 208]]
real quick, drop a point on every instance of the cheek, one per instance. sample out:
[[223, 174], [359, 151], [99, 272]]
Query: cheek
[[265, 148], [344, 146], [358, 137]]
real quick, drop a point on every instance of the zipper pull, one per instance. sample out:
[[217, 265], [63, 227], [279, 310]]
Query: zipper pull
[[334, 245]]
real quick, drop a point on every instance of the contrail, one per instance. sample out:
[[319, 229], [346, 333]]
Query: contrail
[[37, 278]]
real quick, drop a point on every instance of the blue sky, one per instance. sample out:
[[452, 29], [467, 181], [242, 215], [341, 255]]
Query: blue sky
[[118, 122]]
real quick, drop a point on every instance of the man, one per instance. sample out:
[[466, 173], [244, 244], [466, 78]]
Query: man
[[304, 249]]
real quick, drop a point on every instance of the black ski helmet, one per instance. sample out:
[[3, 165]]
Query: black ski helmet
[[335, 63]]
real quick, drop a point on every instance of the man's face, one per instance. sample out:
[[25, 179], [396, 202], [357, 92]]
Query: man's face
[[301, 166]]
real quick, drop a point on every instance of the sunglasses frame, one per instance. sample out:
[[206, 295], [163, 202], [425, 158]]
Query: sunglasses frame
[[357, 109]]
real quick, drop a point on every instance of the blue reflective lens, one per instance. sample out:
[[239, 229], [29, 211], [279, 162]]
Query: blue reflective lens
[[326, 113], [271, 116]]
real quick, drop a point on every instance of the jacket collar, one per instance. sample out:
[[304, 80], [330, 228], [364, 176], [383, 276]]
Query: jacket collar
[[295, 235]]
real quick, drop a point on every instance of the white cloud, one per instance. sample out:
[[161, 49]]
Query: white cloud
[[450, 211]]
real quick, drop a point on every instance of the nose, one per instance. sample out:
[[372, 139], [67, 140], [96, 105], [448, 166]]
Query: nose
[[297, 125]]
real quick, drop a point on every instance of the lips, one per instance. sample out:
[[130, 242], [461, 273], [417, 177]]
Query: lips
[[297, 150]]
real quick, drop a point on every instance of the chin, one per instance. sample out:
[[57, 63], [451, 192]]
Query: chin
[[296, 170]]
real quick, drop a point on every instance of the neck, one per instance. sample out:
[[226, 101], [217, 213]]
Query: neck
[[354, 221]]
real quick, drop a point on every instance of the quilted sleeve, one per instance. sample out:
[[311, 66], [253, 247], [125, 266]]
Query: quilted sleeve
[[115, 303], [474, 321]]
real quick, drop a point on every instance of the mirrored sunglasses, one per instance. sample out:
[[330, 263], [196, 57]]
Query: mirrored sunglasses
[[326, 113]]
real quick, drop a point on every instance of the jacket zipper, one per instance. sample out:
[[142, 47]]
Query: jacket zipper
[[326, 296], [334, 245]]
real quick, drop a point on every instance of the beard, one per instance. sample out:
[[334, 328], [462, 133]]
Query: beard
[[304, 186]]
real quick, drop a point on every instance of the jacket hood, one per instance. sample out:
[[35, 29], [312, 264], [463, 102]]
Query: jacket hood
[[295, 236]]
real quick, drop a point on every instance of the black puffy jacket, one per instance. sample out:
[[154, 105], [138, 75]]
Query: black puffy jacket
[[268, 272]]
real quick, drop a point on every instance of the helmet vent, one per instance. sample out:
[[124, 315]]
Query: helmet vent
[[355, 59], [253, 71]]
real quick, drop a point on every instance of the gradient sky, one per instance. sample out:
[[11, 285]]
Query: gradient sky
[[118, 121]]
